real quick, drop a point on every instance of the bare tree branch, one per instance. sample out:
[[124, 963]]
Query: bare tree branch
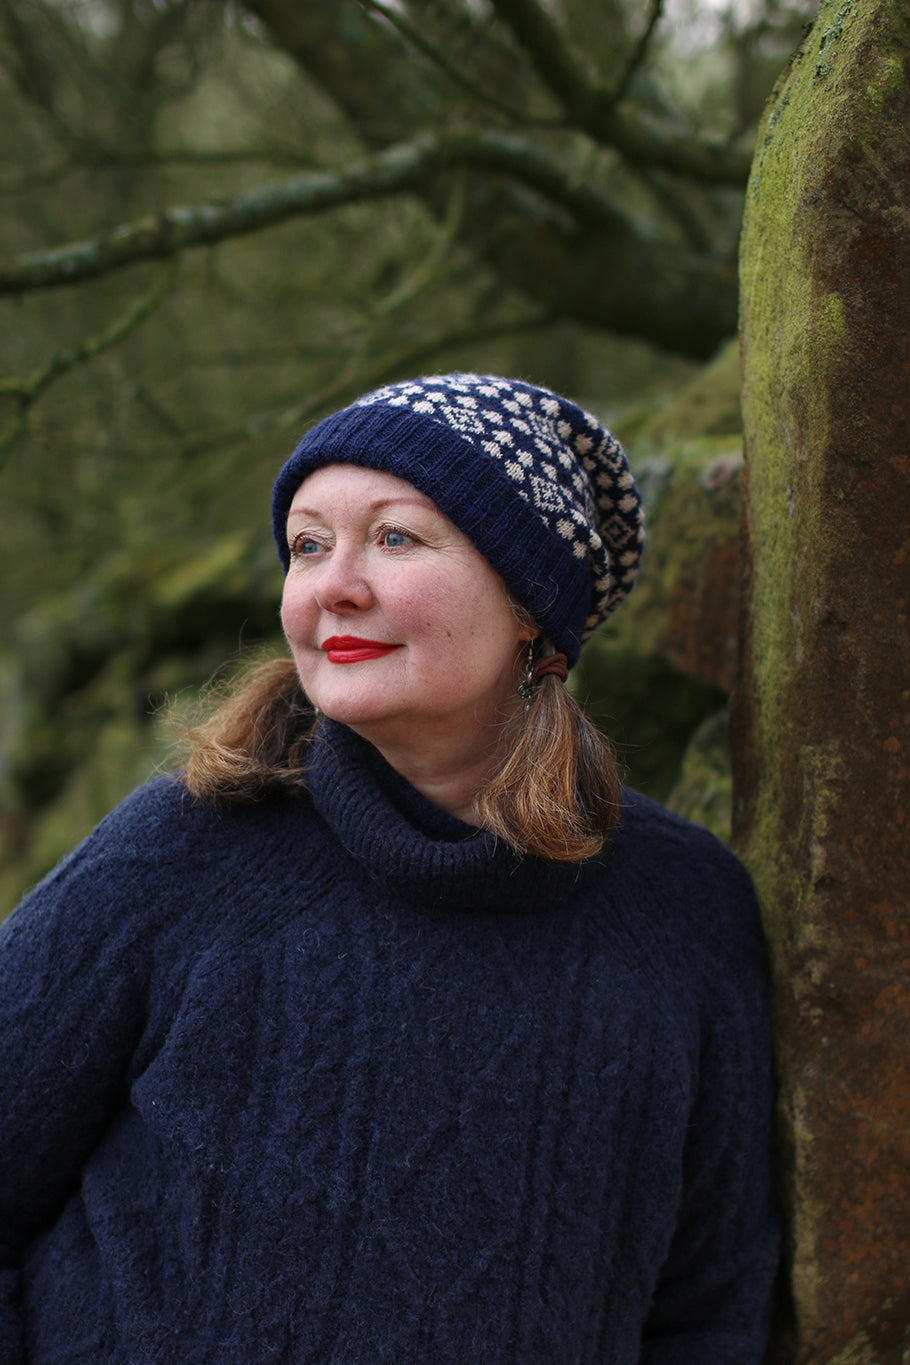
[[26, 392], [555, 62], [398, 169], [348, 55], [616, 273], [428, 269], [480, 92], [28, 65], [639, 52], [356, 378], [650, 143], [680, 206], [593, 108]]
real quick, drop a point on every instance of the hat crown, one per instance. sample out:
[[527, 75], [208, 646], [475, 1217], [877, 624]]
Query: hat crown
[[525, 428]]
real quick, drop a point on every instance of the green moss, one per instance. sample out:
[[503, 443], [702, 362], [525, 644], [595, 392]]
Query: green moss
[[795, 330], [692, 501], [827, 34], [828, 174], [832, 327], [633, 675]]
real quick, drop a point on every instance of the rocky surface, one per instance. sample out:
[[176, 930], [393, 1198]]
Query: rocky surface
[[822, 715]]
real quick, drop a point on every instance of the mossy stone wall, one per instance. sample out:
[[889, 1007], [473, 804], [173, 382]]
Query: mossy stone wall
[[821, 720]]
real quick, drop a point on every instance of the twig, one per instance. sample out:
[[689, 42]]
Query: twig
[[639, 52], [556, 64], [593, 108], [26, 392], [678, 205], [423, 274], [355, 380], [429, 50]]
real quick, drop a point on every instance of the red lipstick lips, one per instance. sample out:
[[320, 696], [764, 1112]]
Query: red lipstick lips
[[349, 649]]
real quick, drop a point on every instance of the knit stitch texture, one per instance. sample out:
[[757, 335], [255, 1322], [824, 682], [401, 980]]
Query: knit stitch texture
[[337, 1080]]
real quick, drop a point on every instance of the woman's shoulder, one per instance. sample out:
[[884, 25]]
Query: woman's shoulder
[[152, 849], [683, 878], [154, 819], [163, 820], [159, 822], [665, 844]]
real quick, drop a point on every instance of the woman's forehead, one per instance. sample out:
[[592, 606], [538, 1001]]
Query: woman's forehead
[[356, 483]]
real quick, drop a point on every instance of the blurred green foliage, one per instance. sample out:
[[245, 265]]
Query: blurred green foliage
[[142, 416]]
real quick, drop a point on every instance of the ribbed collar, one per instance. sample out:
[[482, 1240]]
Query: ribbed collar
[[419, 850]]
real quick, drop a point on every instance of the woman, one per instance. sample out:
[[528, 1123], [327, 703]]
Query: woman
[[394, 1030]]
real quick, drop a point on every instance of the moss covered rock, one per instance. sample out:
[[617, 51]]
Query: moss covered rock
[[821, 720], [85, 683]]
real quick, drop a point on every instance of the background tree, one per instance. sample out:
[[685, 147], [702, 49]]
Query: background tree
[[368, 190]]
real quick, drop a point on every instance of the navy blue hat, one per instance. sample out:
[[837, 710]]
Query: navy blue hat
[[542, 490]]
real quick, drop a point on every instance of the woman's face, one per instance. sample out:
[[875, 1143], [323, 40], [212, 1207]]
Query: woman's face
[[398, 625]]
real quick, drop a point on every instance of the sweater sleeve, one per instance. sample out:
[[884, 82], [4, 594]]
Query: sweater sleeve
[[71, 1012], [713, 1299]]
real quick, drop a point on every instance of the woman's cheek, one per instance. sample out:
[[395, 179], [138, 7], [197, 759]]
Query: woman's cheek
[[287, 617], [296, 606]]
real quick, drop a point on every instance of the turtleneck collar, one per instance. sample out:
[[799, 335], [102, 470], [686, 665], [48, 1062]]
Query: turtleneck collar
[[418, 849]]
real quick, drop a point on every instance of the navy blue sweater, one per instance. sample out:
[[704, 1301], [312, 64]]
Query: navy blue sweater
[[337, 1079]]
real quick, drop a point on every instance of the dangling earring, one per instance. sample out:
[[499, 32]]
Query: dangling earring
[[528, 685]]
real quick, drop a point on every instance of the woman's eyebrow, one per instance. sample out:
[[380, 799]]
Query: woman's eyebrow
[[378, 506]]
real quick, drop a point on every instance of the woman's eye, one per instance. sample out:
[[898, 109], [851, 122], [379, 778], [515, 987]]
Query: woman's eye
[[305, 545], [395, 539]]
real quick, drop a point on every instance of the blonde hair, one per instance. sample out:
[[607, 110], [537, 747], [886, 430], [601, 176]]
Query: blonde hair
[[556, 794]]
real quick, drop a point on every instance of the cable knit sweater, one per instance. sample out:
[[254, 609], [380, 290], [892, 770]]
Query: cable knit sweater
[[337, 1079]]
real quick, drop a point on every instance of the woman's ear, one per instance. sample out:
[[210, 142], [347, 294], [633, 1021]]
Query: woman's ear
[[530, 630]]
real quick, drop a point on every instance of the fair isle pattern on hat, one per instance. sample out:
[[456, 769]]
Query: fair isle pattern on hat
[[538, 485], [570, 468]]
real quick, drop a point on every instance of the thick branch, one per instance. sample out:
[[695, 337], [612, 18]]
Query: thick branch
[[648, 142], [351, 60], [400, 168], [557, 65], [28, 63], [589, 262], [363, 67]]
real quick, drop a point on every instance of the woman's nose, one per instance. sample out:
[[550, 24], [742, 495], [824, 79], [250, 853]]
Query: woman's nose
[[342, 584]]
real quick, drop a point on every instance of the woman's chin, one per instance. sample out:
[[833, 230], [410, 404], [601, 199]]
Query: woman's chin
[[362, 714]]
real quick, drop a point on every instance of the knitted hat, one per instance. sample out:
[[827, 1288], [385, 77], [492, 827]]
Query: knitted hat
[[542, 490]]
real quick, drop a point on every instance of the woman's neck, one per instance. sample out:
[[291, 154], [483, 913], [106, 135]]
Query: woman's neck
[[446, 770]]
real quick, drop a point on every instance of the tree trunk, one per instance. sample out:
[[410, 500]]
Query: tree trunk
[[821, 726]]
